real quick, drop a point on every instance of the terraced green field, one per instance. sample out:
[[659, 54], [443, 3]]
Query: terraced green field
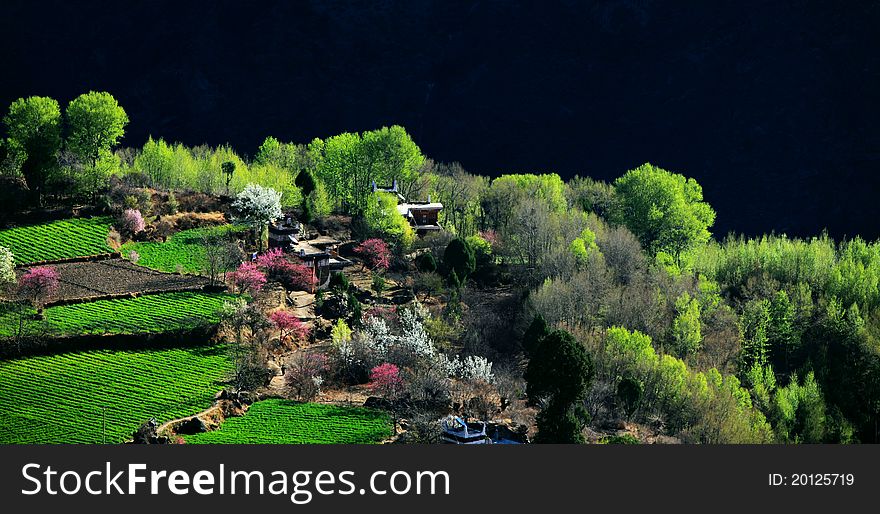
[[55, 240], [276, 421], [59, 398], [145, 314], [184, 251]]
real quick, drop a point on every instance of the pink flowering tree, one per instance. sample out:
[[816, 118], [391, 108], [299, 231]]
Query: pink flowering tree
[[385, 380], [375, 253], [247, 279], [300, 278], [132, 222], [278, 267], [38, 285], [289, 326], [272, 262]]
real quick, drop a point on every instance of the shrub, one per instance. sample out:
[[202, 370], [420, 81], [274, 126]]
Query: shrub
[[171, 204], [132, 222], [378, 284], [303, 375], [459, 258], [340, 333], [340, 282], [376, 254], [426, 263]]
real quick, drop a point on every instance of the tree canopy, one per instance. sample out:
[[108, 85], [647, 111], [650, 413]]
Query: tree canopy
[[664, 210], [33, 125], [96, 122]]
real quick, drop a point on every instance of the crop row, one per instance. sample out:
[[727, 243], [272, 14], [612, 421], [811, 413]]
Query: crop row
[[276, 421], [68, 398], [63, 239], [145, 314]]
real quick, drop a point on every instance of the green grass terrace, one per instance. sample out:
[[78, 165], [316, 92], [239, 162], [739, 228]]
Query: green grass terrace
[[277, 421], [68, 398], [58, 240], [149, 314]]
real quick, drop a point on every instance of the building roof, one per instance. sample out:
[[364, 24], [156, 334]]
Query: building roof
[[405, 208]]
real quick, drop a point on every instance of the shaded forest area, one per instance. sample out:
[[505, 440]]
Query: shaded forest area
[[771, 107]]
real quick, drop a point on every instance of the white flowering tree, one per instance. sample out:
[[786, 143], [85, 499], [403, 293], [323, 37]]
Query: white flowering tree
[[258, 206], [7, 268]]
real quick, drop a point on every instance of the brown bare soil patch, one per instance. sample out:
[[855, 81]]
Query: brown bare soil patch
[[96, 279]]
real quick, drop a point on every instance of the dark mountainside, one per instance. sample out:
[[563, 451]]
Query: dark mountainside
[[771, 108]]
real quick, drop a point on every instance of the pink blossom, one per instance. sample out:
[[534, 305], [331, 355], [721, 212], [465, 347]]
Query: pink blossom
[[375, 253], [297, 277], [247, 278], [39, 284], [385, 380], [132, 222], [289, 325], [387, 313]]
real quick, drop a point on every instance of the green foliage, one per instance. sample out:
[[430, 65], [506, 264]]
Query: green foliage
[[799, 412], [349, 163], [64, 239], [538, 330], [591, 195], [629, 394], [426, 263], [761, 380], [385, 222], [66, 398], [700, 407], [144, 314], [340, 333], [620, 439], [686, 336], [316, 203], [664, 210], [33, 125], [340, 282], [560, 371], [755, 321], [276, 421], [548, 187], [378, 284], [459, 258], [583, 246], [96, 122], [176, 167], [461, 194]]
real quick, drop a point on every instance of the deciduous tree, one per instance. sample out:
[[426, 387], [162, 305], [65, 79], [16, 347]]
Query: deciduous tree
[[664, 210], [34, 128], [96, 122]]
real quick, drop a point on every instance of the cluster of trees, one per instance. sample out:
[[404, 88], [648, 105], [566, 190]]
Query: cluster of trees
[[766, 339], [759, 339], [63, 154]]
